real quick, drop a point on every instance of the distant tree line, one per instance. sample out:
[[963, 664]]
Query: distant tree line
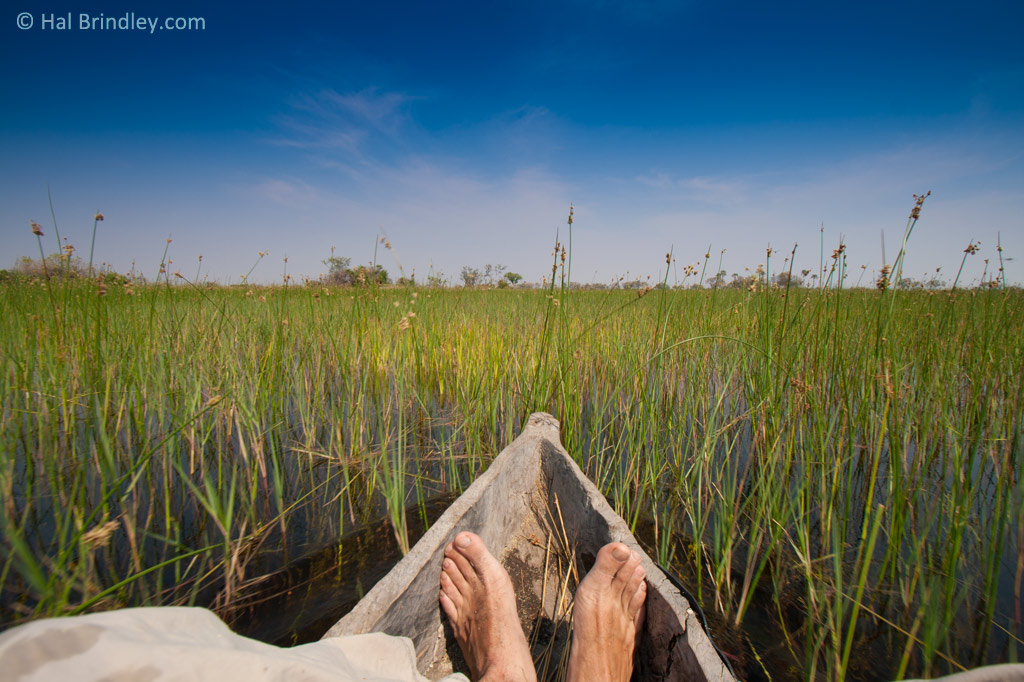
[[58, 265], [490, 276], [341, 273]]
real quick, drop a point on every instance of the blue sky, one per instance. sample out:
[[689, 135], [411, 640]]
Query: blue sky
[[462, 131]]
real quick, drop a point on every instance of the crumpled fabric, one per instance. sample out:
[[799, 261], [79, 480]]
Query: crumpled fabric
[[1006, 672], [191, 645]]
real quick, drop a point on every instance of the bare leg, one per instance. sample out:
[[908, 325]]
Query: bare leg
[[477, 597], [607, 617]]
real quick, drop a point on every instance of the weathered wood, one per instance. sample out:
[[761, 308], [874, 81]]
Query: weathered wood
[[502, 506]]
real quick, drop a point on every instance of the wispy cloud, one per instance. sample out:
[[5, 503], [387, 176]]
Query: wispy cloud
[[289, 192], [383, 111], [699, 189], [348, 122]]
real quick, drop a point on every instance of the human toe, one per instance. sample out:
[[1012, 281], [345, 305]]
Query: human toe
[[453, 587], [610, 559], [635, 607], [457, 575], [470, 548], [630, 581]]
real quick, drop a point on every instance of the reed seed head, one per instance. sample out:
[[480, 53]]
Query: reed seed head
[[100, 535], [98, 217], [915, 212], [883, 280], [37, 229]]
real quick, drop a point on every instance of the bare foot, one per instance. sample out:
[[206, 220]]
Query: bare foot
[[607, 617], [477, 597]]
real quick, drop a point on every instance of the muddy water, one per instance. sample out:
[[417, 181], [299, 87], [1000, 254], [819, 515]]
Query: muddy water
[[299, 603]]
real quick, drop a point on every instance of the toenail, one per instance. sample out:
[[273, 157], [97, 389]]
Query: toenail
[[463, 541], [620, 553], [447, 563]]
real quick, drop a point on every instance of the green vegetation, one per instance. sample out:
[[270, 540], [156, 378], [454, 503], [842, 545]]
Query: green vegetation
[[340, 273], [844, 463]]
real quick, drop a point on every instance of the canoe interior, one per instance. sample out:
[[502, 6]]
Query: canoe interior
[[545, 521]]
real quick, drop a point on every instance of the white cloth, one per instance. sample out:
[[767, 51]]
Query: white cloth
[[1007, 672], [191, 644]]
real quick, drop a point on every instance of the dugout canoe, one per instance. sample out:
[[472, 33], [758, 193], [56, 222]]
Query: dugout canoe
[[536, 512]]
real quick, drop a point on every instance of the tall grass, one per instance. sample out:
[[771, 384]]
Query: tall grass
[[846, 461]]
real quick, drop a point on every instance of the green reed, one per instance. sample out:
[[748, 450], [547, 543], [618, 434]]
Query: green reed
[[845, 461]]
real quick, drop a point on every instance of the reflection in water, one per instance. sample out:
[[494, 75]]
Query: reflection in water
[[299, 603]]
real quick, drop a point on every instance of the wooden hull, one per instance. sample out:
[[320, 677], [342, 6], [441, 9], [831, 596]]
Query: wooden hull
[[532, 498]]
